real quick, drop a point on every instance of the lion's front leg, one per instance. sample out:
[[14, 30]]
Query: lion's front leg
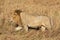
[[26, 28]]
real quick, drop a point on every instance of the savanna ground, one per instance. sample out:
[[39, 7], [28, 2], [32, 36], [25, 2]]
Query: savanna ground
[[49, 8]]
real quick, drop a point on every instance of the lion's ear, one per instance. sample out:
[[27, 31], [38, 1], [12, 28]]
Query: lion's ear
[[18, 12]]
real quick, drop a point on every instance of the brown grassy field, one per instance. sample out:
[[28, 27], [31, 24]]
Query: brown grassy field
[[49, 8]]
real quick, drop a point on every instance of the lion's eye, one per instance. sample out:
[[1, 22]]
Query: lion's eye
[[13, 17], [15, 14]]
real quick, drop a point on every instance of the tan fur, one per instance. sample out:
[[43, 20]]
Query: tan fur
[[34, 21], [16, 19]]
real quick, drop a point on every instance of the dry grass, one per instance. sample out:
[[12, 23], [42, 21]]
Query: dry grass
[[49, 8]]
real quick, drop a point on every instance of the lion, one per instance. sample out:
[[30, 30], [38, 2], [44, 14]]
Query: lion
[[33, 21], [28, 20]]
